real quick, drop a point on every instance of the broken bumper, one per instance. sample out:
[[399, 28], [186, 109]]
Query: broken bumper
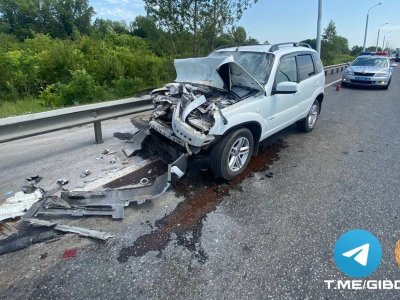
[[181, 132]]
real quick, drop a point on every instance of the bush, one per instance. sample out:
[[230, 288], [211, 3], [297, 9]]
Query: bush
[[81, 89], [127, 87], [87, 69]]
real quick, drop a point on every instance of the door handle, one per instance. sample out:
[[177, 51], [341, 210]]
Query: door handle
[[298, 93], [315, 83]]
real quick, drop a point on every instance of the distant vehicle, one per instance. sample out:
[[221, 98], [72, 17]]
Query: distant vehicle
[[369, 69], [397, 57], [228, 102]]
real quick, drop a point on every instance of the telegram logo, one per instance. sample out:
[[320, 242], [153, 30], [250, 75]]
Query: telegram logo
[[357, 253]]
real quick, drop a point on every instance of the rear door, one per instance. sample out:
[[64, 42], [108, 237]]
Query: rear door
[[310, 78]]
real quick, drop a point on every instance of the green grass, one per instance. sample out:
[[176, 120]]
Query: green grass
[[20, 107]]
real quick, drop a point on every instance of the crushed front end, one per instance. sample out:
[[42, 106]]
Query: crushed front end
[[185, 113]]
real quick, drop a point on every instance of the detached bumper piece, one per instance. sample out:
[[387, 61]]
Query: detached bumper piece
[[109, 202]]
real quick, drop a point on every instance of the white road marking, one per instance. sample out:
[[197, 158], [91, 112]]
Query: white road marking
[[329, 84]]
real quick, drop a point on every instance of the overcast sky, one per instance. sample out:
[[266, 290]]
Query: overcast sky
[[293, 20]]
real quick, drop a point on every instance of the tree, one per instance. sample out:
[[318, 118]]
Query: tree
[[158, 40], [333, 46], [108, 26], [59, 18], [356, 50], [330, 33], [311, 42], [195, 22], [239, 35]]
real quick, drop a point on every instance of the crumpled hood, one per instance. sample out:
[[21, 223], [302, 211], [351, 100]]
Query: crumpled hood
[[367, 69], [219, 72]]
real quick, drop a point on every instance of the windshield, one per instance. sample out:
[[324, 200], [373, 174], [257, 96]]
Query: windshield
[[257, 64], [370, 62]]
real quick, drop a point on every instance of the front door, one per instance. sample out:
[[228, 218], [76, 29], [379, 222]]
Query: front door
[[282, 107]]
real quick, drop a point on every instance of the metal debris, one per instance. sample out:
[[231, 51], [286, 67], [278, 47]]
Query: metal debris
[[33, 179], [86, 173], [71, 229], [7, 230], [107, 151], [135, 143], [62, 181], [17, 205]]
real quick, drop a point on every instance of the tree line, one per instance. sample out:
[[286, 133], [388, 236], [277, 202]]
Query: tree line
[[55, 53]]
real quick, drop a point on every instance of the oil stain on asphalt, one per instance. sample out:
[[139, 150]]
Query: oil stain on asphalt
[[202, 194]]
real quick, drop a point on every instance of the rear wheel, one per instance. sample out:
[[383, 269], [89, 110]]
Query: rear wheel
[[231, 155], [308, 123]]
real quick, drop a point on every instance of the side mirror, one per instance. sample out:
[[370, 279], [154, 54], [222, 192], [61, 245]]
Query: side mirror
[[286, 87], [393, 65]]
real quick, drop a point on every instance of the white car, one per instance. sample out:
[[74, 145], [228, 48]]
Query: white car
[[369, 69], [228, 102]]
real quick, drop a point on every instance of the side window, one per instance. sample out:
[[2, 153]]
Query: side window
[[287, 70], [317, 63], [306, 66]]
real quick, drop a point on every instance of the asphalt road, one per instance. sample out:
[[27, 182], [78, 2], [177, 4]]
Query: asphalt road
[[269, 234]]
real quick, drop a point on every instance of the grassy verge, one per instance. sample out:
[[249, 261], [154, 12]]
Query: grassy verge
[[20, 107]]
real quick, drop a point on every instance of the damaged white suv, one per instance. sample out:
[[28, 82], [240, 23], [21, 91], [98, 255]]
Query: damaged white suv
[[228, 102]]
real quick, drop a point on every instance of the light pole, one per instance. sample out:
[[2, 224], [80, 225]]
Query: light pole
[[377, 39], [383, 44], [366, 24], [319, 27]]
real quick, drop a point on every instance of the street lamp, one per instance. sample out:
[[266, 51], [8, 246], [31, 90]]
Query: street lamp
[[377, 39], [366, 24], [383, 44], [387, 44], [319, 27]]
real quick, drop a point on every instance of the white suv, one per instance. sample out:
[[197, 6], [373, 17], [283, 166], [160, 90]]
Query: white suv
[[228, 102]]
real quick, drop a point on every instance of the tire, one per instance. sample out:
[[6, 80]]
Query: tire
[[344, 84], [386, 87], [308, 123], [223, 152]]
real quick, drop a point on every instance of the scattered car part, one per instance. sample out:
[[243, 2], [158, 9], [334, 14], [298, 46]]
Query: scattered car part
[[18, 204], [25, 238], [7, 230], [135, 143], [71, 229], [85, 173]]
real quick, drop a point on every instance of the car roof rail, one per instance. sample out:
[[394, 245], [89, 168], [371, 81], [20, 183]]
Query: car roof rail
[[276, 47], [237, 45]]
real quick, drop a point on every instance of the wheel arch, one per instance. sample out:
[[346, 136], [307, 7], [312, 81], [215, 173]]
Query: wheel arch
[[320, 98], [255, 129]]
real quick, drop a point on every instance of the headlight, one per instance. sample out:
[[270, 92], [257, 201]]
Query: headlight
[[348, 72], [382, 74]]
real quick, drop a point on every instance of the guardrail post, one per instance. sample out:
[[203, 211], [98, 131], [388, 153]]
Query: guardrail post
[[97, 132]]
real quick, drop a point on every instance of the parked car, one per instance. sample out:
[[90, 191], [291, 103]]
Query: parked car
[[226, 103], [369, 70]]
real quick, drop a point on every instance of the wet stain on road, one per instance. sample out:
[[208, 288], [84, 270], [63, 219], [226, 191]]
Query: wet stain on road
[[202, 193]]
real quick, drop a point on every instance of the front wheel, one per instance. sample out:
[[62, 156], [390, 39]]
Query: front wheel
[[308, 123], [231, 155]]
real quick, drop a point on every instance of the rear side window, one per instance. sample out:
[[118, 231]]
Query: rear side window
[[317, 63], [287, 70], [306, 66]]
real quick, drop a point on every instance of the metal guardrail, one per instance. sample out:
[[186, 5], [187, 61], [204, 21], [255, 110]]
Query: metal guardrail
[[335, 68], [19, 127], [14, 128]]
